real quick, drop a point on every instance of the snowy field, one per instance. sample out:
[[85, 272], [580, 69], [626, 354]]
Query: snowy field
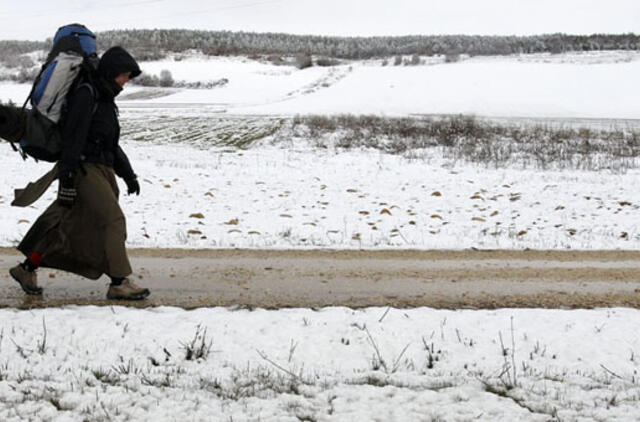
[[585, 85], [333, 364], [200, 191], [297, 196], [572, 85]]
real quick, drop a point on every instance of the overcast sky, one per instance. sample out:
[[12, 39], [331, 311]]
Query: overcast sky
[[39, 19]]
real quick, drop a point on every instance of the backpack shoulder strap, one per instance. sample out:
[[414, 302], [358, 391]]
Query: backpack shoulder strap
[[94, 94], [88, 85]]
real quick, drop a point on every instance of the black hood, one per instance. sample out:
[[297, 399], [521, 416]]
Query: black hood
[[116, 61]]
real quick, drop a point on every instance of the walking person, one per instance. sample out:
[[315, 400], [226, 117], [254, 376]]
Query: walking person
[[84, 230]]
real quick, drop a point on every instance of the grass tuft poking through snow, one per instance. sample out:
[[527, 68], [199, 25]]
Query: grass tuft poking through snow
[[325, 364]]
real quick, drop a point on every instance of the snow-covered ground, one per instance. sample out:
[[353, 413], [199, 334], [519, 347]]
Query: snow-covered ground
[[290, 196], [333, 364], [594, 85], [286, 198], [301, 364], [541, 85], [284, 192]]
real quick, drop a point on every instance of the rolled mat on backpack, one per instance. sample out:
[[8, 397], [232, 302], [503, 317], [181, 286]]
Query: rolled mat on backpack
[[13, 123]]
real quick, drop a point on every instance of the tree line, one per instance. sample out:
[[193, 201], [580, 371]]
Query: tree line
[[155, 44]]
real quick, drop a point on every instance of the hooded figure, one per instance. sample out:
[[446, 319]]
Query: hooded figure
[[84, 230]]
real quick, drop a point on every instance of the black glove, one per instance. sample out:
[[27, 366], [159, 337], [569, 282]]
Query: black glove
[[132, 185], [67, 192]]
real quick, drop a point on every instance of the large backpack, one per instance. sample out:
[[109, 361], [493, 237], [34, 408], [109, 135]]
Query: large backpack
[[71, 62]]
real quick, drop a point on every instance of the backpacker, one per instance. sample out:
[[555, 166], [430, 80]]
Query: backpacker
[[71, 61]]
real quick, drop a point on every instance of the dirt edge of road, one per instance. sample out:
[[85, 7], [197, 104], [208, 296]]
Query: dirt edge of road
[[409, 254]]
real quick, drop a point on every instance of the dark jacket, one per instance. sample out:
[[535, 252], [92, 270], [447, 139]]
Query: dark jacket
[[92, 137], [91, 130]]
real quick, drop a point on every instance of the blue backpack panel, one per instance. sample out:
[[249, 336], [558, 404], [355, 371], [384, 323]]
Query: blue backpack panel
[[71, 59]]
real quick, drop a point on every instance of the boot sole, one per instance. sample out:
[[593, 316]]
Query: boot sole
[[25, 289], [140, 296]]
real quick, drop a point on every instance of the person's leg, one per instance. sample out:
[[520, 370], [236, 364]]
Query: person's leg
[[99, 232], [115, 249], [116, 281], [32, 262], [101, 195], [119, 267], [25, 274]]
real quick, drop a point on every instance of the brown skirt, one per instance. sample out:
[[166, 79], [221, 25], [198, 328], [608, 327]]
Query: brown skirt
[[87, 239]]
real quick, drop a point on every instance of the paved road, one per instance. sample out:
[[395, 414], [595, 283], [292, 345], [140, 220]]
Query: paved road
[[273, 279]]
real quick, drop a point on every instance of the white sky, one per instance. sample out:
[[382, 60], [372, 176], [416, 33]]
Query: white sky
[[39, 19]]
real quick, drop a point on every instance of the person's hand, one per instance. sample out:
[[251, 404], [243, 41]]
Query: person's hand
[[67, 192], [133, 186]]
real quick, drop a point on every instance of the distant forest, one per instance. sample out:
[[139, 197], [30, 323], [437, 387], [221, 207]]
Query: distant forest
[[155, 44]]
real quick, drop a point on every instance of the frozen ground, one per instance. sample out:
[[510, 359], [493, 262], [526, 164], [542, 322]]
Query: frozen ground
[[571, 85], [200, 191], [540, 85], [294, 195], [331, 364], [335, 363]]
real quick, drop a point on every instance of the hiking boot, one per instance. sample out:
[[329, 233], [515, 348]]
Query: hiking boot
[[128, 290], [28, 280]]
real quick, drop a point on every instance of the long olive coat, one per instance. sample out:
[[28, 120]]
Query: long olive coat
[[87, 239]]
